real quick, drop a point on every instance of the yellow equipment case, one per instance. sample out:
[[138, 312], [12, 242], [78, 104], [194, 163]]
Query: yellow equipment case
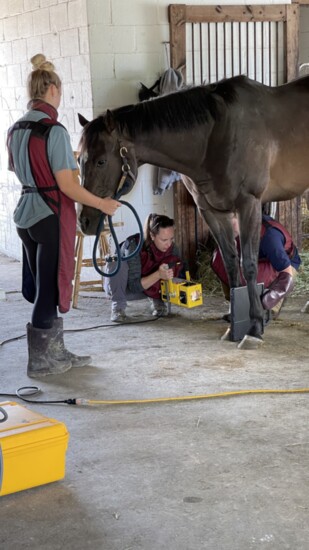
[[32, 449], [182, 292]]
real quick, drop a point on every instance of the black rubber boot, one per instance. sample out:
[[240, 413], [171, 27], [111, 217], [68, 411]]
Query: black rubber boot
[[42, 356], [62, 353]]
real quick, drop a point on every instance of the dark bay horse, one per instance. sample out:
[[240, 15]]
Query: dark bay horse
[[240, 144]]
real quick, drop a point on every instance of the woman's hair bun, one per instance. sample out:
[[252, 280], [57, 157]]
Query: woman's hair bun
[[39, 62]]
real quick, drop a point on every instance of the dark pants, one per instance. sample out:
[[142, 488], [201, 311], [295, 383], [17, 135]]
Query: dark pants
[[41, 246], [116, 287]]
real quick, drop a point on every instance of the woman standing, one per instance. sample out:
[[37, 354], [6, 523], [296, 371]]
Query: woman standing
[[41, 156]]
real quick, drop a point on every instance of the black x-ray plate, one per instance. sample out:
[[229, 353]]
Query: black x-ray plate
[[240, 320]]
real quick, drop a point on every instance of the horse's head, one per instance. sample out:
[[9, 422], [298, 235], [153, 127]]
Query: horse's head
[[107, 161]]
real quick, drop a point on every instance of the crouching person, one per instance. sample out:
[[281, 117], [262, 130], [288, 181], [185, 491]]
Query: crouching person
[[141, 276], [278, 264]]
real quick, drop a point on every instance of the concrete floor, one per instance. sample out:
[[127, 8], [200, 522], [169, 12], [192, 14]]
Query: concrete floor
[[217, 474]]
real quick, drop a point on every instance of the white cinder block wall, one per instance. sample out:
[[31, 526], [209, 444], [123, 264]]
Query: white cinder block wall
[[126, 47], [60, 31], [102, 50]]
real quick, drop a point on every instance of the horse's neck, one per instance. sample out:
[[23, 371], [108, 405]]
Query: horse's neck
[[171, 150]]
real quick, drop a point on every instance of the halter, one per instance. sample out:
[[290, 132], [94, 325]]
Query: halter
[[126, 172]]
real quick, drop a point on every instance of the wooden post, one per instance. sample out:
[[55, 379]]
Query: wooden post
[[177, 20], [289, 211], [292, 41], [190, 229]]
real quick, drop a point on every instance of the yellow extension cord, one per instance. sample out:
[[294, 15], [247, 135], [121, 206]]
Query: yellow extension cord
[[186, 397]]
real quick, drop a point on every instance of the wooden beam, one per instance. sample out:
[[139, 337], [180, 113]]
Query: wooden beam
[[177, 20], [202, 14], [292, 41]]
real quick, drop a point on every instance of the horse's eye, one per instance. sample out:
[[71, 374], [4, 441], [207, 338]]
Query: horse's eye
[[101, 162]]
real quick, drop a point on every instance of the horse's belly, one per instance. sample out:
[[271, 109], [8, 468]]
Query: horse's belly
[[289, 175], [274, 192]]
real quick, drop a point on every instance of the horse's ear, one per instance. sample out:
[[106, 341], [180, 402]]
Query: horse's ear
[[82, 120], [147, 93], [109, 121]]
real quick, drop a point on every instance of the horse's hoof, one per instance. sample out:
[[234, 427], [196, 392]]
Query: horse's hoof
[[250, 342], [305, 309], [226, 335]]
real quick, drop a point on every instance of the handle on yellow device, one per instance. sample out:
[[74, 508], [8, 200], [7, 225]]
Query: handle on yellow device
[[168, 290]]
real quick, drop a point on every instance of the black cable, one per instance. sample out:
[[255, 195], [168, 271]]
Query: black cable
[[12, 339], [115, 325], [34, 390], [28, 390], [5, 414], [88, 328]]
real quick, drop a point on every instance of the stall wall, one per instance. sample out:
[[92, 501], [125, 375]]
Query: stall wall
[[60, 31], [102, 50]]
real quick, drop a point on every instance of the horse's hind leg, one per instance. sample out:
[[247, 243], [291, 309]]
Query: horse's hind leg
[[220, 225], [250, 229]]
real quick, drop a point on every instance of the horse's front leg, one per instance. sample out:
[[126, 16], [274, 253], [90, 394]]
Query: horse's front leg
[[250, 229]]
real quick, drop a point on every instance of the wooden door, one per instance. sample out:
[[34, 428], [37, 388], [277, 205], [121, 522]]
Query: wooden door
[[208, 43]]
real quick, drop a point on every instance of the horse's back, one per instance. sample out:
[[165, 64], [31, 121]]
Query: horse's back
[[240, 87]]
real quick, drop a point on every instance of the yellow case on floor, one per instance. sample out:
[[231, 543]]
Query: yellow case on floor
[[32, 449]]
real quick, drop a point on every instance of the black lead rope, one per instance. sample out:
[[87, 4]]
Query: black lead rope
[[122, 189], [118, 257]]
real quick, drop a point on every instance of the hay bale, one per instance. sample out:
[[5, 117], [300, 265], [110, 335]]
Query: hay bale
[[205, 275], [302, 281]]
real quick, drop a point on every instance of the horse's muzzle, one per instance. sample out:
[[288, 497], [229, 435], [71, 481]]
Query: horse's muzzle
[[89, 220]]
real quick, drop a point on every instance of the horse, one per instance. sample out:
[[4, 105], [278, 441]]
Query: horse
[[239, 143]]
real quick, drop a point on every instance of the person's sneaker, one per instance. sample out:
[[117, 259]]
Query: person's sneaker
[[158, 307], [118, 316]]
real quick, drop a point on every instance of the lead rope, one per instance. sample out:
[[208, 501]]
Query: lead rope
[[126, 172], [118, 258]]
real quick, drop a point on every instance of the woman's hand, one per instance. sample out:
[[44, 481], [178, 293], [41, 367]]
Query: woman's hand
[[165, 272], [108, 206]]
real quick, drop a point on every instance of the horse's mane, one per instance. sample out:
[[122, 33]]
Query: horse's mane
[[175, 111]]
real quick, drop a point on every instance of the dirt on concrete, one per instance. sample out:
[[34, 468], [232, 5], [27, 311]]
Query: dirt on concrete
[[226, 473]]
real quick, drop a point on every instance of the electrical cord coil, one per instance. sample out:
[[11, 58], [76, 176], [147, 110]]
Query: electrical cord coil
[[5, 414]]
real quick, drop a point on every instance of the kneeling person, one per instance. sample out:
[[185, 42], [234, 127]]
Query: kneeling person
[[141, 276], [278, 264]]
